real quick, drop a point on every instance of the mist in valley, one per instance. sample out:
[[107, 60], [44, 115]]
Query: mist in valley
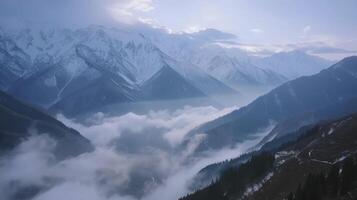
[[135, 99], [136, 156]]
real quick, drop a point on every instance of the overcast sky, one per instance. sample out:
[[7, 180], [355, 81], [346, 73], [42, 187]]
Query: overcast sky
[[324, 26]]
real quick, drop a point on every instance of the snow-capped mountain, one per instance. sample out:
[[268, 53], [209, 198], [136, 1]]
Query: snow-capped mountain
[[233, 66], [294, 64], [44, 66], [235, 73], [14, 63], [201, 50], [60, 68]]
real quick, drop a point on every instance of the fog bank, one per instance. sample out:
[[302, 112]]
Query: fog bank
[[135, 158]]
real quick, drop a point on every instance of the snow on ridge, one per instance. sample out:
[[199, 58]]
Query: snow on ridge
[[255, 187], [137, 54]]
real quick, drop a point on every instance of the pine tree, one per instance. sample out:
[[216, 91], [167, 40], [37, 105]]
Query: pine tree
[[299, 193], [333, 181], [290, 196], [347, 175]]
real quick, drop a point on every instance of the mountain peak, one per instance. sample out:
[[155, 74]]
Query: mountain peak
[[169, 84]]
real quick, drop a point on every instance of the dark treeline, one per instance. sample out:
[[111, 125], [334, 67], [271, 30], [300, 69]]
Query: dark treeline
[[235, 180], [337, 183]]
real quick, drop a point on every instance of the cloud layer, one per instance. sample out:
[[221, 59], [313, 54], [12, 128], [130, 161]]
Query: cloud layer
[[149, 170], [69, 13]]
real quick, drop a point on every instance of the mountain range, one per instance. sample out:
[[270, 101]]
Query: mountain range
[[337, 82], [56, 69], [299, 111]]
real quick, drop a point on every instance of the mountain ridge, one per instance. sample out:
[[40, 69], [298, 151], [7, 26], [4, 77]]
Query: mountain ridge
[[18, 118], [319, 149], [294, 97]]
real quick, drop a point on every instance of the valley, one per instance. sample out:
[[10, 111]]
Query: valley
[[160, 100]]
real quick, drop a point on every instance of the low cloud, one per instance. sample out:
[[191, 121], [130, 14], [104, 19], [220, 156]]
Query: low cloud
[[172, 126], [111, 172]]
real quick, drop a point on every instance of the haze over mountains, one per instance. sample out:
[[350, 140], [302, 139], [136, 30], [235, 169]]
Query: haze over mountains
[[178, 100], [294, 99], [331, 94], [154, 109]]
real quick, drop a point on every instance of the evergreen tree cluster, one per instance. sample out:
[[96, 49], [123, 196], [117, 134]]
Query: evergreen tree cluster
[[341, 179], [235, 180]]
